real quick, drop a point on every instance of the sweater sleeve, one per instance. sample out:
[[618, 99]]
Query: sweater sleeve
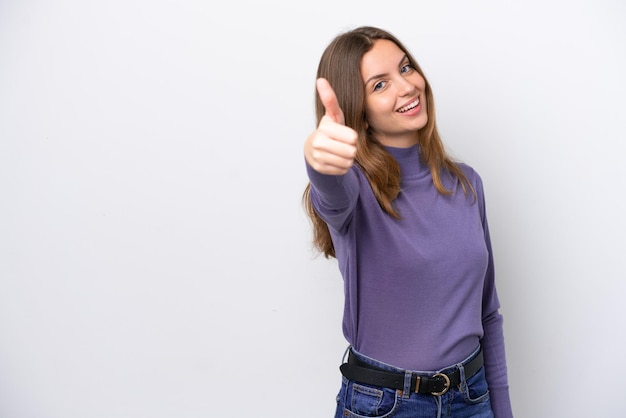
[[334, 197], [493, 338]]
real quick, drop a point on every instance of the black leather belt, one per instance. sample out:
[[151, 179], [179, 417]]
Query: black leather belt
[[435, 384]]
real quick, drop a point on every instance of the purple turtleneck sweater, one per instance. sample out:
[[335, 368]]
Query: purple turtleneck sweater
[[419, 291]]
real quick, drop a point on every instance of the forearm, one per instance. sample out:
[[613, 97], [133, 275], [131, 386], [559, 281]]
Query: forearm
[[495, 365], [333, 195]]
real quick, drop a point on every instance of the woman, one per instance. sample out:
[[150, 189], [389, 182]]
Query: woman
[[409, 230]]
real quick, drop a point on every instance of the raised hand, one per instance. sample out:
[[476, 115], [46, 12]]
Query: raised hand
[[331, 148]]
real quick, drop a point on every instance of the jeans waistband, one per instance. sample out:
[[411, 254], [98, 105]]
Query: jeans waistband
[[360, 368], [385, 366]]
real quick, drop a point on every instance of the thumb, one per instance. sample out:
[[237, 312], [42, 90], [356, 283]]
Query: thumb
[[329, 100]]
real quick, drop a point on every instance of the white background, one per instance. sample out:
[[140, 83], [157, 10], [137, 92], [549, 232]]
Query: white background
[[154, 256]]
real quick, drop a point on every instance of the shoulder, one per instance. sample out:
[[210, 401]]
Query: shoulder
[[472, 176], [469, 171], [477, 183]]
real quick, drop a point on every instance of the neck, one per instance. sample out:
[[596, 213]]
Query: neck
[[406, 140]]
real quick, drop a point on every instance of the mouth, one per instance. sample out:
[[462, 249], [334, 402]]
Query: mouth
[[409, 106]]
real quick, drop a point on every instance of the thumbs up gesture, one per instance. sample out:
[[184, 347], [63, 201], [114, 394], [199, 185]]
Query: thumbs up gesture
[[331, 148]]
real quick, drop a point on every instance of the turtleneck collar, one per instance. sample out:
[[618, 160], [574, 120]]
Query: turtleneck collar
[[411, 165]]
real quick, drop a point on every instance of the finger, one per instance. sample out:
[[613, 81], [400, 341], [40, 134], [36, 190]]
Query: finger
[[337, 132], [341, 148], [326, 163], [329, 100], [333, 169]]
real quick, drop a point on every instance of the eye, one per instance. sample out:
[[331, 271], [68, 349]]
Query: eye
[[379, 85], [406, 68]]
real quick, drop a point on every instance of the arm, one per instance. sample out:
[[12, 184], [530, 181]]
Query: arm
[[334, 197], [493, 338], [329, 153]]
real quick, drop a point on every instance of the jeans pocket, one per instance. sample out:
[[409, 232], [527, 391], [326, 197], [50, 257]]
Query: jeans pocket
[[476, 388], [369, 401]]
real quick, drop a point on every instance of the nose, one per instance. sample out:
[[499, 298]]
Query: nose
[[405, 87]]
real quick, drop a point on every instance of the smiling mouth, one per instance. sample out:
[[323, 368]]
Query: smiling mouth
[[410, 106]]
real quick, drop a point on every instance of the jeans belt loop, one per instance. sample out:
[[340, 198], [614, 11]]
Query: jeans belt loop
[[462, 383], [406, 392]]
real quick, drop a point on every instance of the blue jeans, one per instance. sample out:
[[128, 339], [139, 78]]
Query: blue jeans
[[469, 399]]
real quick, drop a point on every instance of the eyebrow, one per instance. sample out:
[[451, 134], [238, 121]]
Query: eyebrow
[[404, 58]]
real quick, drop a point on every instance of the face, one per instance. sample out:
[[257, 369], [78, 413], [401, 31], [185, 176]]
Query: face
[[395, 102]]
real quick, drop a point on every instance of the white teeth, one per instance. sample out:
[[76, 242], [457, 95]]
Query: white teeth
[[409, 106]]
